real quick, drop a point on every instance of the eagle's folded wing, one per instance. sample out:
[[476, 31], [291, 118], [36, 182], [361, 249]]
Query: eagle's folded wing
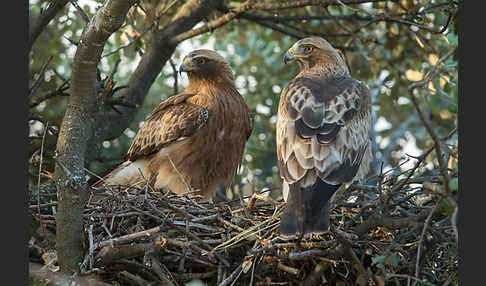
[[323, 129], [173, 120]]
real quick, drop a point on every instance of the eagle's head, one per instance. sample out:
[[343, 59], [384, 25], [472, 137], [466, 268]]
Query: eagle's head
[[207, 65], [315, 52]]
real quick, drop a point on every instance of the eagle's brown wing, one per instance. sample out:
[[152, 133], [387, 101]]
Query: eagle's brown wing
[[322, 129], [173, 120]]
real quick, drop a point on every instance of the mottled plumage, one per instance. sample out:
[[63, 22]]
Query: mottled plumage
[[194, 140], [324, 120]]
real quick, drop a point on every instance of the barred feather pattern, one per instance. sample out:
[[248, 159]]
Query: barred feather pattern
[[323, 128]]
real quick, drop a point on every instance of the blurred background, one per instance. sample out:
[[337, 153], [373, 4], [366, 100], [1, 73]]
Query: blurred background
[[389, 45]]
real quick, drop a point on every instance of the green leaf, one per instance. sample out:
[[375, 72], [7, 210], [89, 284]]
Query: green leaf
[[453, 185], [447, 207]]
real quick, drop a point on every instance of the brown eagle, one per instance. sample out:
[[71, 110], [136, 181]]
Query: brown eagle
[[193, 140], [323, 140]]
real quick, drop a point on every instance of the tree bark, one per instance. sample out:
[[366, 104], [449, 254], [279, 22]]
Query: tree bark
[[75, 130]]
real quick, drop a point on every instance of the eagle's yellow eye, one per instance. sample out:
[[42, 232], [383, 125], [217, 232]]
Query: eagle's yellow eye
[[308, 49], [201, 61]]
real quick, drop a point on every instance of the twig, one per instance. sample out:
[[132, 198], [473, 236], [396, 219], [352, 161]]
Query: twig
[[188, 188], [305, 254], [128, 237], [348, 249], [287, 269], [233, 277], [287, 18], [275, 27], [454, 224], [160, 273], [225, 222], [411, 88], [195, 276], [43, 205], [39, 177], [136, 39], [91, 246], [391, 275], [207, 246], [174, 75], [213, 24], [174, 208], [59, 91], [39, 80], [133, 278], [198, 225], [419, 249], [253, 270], [80, 11], [113, 71]]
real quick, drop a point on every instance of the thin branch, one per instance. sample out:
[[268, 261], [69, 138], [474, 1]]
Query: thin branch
[[391, 275], [134, 40], [233, 277], [59, 91], [113, 71], [174, 74], [422, 27], [39, 177], [411, 88], [419, 249], [454, 224], [80, 11], [277, 28], [39, 80], [128, 237], [213, 24], [38, 24], [44, 121], [384, 17], [287, 18]]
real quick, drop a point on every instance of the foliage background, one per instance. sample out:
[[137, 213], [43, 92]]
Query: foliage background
[[387, 56], [390, 45]]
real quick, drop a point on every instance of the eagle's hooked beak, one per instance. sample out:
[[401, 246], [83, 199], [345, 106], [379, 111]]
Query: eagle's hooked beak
[[289, 56], [186, 66]]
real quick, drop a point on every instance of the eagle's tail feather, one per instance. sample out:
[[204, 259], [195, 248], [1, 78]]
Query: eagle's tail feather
[[307, 210], [127, 173]]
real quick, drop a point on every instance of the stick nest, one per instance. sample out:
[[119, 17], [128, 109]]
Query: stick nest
[[401, 231]]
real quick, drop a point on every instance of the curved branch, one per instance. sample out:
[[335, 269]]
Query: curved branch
[[215, 23]]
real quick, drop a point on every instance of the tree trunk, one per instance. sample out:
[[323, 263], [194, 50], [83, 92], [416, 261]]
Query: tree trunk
[[75, 131]]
